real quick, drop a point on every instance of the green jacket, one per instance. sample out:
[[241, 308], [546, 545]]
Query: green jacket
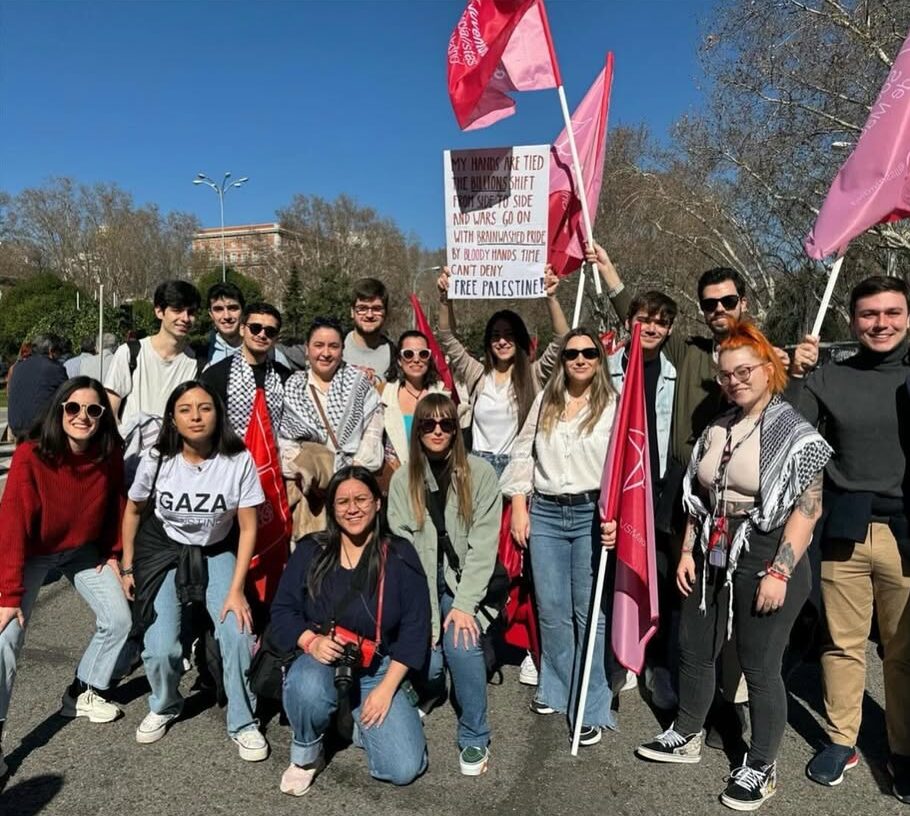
[[476, 546]]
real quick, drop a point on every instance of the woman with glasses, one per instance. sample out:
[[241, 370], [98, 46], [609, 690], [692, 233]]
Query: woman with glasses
[[61, 511], [557, 463], [448, 505], [189, 532], [353, 584], [753, 494], [417, 377]]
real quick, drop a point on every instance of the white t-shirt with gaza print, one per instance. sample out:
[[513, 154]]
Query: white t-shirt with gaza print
[[197, 503]]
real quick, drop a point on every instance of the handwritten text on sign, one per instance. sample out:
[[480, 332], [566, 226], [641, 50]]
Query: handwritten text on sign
[[496, 221]]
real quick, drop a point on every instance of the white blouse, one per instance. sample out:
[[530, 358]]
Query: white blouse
[[495, 423], [567, 460]]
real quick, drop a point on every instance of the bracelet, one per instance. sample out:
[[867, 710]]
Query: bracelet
[[127, 571], [780, 575]]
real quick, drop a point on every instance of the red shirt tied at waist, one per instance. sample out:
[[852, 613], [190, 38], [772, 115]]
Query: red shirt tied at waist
[[50, 508]]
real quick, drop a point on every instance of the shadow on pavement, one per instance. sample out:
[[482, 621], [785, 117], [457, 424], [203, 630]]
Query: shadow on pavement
[[37, 738], [31, 796]]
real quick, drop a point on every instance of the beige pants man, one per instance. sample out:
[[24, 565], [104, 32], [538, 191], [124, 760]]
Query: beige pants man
[[854, 575]]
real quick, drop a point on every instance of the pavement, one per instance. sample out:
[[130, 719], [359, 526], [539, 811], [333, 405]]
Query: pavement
[[73, 768]]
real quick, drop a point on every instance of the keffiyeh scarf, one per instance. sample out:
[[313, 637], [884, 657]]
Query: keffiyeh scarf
[[242, 391]]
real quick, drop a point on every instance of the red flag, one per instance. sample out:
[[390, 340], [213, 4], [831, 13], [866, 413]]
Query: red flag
[[498, 47], [274, 515], [589, 125], [625, 496], [423, 325]]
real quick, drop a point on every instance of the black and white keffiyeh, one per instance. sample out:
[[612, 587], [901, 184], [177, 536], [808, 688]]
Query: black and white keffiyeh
[[241, 391], [791, 454]]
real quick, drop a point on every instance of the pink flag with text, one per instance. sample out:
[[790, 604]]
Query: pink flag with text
[[873, 186], [625, 496], [589, 124], [498, 47]]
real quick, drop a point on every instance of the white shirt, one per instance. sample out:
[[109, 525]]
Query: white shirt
[[495, 424], [567, 460], [197, 503]]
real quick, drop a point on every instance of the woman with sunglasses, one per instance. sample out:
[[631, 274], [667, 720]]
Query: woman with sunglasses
[[75, 451], [558, 462], [753, 493], [448, 505], [355, 584], [189, 531], [417, 377]]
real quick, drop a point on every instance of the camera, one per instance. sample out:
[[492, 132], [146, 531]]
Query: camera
[[344, 666]]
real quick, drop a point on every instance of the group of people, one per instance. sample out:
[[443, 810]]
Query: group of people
[[770, 478]]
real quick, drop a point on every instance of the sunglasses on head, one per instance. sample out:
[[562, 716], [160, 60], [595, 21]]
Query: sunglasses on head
[[92, 409], [428, 426], [589, 353], [271, 332], [410, 354], [708, 305]]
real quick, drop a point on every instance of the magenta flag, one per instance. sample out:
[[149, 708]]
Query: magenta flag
[[589, 124], [625, 496], [498, 47], [872, 186]]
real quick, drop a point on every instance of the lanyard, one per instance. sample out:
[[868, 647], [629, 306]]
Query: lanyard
[[720, 476]]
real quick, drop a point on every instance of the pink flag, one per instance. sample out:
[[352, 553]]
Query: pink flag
[[872, 186], [589, 124], [625, 496], [498, 47]]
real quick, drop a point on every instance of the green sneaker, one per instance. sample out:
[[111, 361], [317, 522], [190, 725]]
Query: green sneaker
[[474, 761]]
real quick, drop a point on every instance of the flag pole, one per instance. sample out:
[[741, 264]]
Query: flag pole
[[101, 331], [589, 651], [579, 294], [826, 298]]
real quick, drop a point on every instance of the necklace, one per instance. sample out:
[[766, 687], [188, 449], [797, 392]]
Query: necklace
[[407, 387]]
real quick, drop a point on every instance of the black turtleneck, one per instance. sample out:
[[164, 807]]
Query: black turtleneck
[[862, 406]]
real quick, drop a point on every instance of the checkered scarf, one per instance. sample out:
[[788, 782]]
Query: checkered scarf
[[241, 392]]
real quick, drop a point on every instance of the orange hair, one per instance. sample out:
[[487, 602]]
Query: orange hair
[[745, 334]]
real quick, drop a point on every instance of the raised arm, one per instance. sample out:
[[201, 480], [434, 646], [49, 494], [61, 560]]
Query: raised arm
[[616, 290], [464, 367]]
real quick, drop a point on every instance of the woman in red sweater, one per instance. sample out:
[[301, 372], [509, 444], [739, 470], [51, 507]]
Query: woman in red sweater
[[75, 450]]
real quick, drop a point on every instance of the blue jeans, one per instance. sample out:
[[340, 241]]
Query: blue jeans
[[565, 547], [468, 671], [102, 592], [163, 654], [396, 749], [497, 460]]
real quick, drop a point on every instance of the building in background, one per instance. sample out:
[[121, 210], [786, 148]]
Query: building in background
[[246, 246]]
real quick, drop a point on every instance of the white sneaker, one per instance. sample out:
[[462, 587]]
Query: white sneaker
[[89, 704], [251, 744], [658, 682], [527, 674], [624, 681], [153, 727], [296, 781]]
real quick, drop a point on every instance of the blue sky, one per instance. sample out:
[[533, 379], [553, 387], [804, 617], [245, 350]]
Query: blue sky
[[318, 97]]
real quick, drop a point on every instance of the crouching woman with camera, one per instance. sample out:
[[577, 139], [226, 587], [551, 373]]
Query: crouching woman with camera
[[354, 602]]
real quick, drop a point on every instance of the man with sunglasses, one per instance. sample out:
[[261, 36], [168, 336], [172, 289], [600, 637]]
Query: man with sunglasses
[[366, 345]]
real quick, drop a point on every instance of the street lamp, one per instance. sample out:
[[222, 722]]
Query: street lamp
[[220, 190]]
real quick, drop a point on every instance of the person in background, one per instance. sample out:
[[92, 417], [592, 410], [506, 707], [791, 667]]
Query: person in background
[[226, 304], [25, 350], [37, 377], [92, 366], [366, 346], [74, 365]]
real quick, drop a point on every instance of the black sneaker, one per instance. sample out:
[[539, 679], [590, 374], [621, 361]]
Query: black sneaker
[[830, 764], [750, 785], [589, 735], [540, 708], [671, 746], [899, 768]]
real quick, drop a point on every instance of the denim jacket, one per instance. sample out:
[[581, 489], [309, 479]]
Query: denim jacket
[[666, 388]]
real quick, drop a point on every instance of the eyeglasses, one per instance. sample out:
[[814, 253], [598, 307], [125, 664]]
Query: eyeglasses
[[428, 426], [92, 409], [364, 310], [359, 502], [271, 332], [709, 305], [589, 353], [410, 354], [740, 374]]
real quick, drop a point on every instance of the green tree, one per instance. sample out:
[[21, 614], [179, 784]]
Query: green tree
[[293, 312], [328, 296]]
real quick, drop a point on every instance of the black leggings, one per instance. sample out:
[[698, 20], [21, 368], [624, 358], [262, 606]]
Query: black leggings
[[760, 643]]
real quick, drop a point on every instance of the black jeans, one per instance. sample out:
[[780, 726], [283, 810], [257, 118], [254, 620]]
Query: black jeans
[[760, 642]]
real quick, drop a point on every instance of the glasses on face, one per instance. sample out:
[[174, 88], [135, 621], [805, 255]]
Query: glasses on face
[[365, 310], [589, 353], [740, 374], [660, 322], [729, 302], [92, 409], [271, 332], [420, 354], [361, 502], [428, 426], [506, 336]]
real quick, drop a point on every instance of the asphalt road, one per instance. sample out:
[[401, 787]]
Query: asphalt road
[[73, 768]]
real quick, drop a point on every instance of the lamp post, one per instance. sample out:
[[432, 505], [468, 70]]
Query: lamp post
[[220, 190]]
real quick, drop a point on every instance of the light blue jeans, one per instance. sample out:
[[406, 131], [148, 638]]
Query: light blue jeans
[[102, 592], [497, 460], [396, 749], [565, 546], [163, 654]]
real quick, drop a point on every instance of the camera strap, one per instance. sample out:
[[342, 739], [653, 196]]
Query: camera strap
[[356, 588]]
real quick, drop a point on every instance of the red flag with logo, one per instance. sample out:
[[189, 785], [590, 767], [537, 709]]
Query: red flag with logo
[[423, 325], [274, 515], [498, 47], [625, 496]]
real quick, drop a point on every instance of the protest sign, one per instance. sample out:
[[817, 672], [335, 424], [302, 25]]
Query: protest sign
[[496, 221]]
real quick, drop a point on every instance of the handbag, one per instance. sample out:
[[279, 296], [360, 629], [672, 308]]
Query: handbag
[[266, 671]]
